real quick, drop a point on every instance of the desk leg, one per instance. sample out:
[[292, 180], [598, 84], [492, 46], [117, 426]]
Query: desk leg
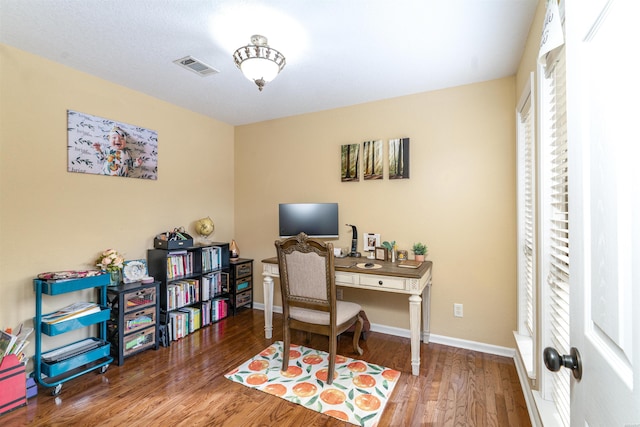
[[426, 314], [414, 323], [267, 285]]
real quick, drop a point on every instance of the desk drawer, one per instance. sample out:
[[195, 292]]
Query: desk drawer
[[382, 282], [346, 278]]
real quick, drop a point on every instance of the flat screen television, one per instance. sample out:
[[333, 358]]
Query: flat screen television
[[314, 219]]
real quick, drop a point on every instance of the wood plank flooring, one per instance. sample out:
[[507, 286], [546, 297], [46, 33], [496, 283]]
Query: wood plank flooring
[[183, 385]]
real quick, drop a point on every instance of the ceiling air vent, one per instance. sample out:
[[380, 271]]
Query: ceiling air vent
[[196, 66]]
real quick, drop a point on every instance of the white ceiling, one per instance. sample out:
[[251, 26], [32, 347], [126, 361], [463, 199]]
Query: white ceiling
[[338, 52]]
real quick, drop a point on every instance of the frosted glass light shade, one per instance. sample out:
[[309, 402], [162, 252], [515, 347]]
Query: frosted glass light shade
[[258, 62], [258, 68]]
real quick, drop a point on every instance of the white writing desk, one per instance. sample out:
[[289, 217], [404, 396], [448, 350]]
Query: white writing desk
[[415, 282]]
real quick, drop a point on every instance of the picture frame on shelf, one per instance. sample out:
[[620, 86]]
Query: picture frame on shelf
[[134, 270], [382, 254], [371, 241]]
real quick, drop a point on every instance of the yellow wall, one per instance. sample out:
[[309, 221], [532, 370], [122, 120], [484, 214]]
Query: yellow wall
[[51, 219], [459, 200]]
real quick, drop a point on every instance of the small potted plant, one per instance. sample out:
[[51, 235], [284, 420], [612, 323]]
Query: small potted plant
[[420, 250]]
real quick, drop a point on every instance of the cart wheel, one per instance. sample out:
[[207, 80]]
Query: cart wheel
[[56, 390], [104, 369]]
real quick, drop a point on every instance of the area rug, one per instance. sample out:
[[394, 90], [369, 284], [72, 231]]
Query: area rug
[[358, 395]]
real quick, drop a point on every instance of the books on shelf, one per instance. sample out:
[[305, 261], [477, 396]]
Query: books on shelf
[[187, 320], [210, 258], [72, 311], [205, 312], [182, 292], [219, 309], [178, 327], [179, 263], [193, 320], [409, 263], [213, 284]]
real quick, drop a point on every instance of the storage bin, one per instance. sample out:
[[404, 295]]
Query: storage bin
[[140, 319], [172, 244], [13, 387], [143, 298], [52, 369], [139, 341]]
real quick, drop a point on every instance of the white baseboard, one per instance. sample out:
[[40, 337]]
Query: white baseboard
[[473, 345], [260, 306], [438, 339]]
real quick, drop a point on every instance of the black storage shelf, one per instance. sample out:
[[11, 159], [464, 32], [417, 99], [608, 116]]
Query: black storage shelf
[[163, 269], [241, 284], [129, 303]]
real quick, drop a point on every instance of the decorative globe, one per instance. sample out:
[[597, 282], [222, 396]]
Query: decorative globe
[[204, 227]]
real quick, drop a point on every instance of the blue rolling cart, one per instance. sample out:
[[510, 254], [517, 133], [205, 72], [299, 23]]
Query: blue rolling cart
[[54, 367]]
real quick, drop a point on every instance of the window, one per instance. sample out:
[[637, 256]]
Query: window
[[554, 203], [526, 229]]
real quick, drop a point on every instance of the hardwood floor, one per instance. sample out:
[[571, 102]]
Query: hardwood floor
[[183, 385]]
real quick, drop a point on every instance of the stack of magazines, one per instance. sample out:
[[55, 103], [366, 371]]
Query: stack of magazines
[[71, 350], [72, 311]]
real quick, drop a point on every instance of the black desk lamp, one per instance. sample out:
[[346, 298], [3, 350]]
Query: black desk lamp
[[354, 242]]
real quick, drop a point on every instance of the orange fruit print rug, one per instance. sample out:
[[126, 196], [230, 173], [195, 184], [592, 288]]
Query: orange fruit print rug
[[359, 392]]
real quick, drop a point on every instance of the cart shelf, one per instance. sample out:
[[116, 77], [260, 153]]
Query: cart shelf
[[54, 367]]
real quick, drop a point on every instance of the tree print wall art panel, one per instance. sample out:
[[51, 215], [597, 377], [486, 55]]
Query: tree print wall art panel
[[104, 147], [372, 159], [399, 158], [350, 157]]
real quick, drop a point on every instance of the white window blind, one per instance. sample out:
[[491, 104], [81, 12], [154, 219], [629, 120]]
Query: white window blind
[[556, 239], [526, 173], [526, 215]]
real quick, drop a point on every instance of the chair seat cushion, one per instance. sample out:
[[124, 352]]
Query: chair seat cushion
[[345, 311]]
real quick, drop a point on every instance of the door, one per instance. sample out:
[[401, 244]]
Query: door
[[603, 106]]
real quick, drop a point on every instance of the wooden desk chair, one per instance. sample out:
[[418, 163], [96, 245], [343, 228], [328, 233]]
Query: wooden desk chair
[[308, 287]]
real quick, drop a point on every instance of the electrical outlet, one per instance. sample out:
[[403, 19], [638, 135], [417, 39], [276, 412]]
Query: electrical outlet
[[339, 294], [457, 310]]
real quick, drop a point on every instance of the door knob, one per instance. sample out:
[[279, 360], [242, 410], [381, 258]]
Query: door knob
[[553, 361]]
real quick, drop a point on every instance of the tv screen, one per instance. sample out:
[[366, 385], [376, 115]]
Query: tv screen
[[314, 219]]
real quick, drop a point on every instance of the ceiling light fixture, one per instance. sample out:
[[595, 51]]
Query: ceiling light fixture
[[259, 62]]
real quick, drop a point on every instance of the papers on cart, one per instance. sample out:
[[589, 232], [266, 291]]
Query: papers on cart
[[72, 311], [71, 350]]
